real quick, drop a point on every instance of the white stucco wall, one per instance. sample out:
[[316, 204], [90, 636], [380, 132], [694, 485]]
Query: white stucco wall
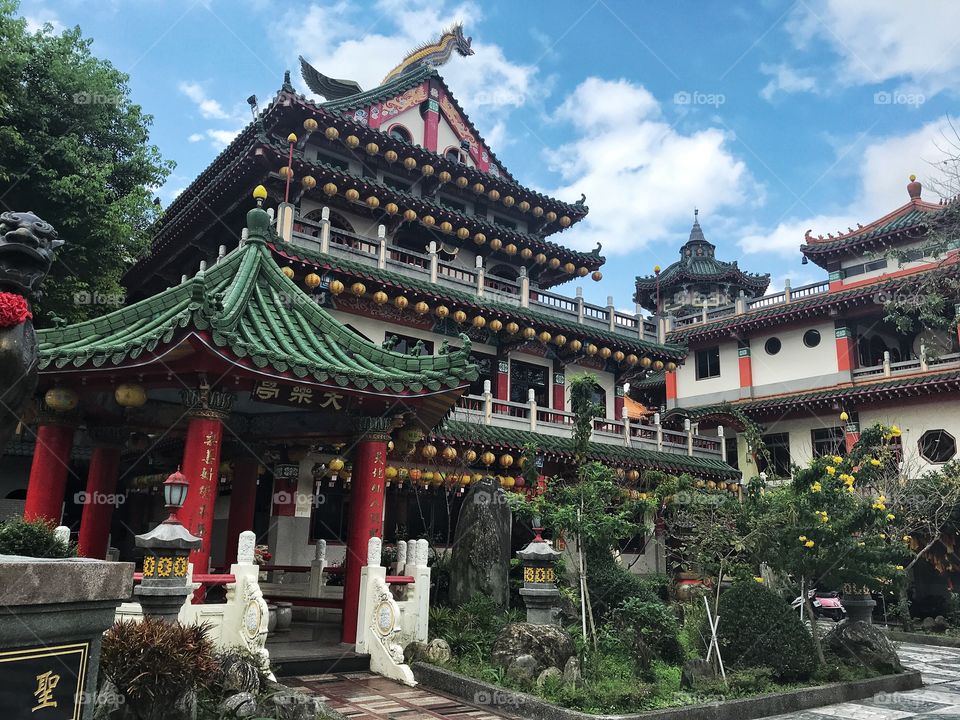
[[412, 120], [795, 361], [728, 381]]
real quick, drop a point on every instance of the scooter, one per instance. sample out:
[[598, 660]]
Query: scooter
[[825, 605]]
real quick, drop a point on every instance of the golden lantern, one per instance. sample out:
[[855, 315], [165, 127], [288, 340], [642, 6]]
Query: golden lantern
[[309, 125], [478, 188], [529, 333], [373, 202], [633, 475], [645, 362], [550, 216], [632, 359], [510, 249], [537, 211], [61, 399], [582, 271], [658, 364], [605, 352], [284, 171], [358, 289], [721, 486], [711, 485], [597, 276], [446, 227], [459, 316], [554, 263], [352, 141], [421, 308], [409, 163], [429, 220], [335, 287], [372, 148], [409, 215], [496, 325], [618, 356], [400, 302], [463, 233], [506, 460], [309, 182], [844, 416], [523, 206], [335, 465], [479, 238], [496, 244], [380, 297], [512, 328], [443, 176], [479, 321], [462, 182], [331, 133], [470, 456], [449, 454], [429, 451], [488, 458], [591, 349], [544, 337], [391, 208], [390, 156], [699, 484], [390, 472], [288, 271], [427, 170], [352, 195], [565, 221], [442, 311], [560, 340], [575, 345], [539, 258], [509, 201], [494, 195], [671, 366], [330, 189], [526, 253], [313, 280], [130, 395], [569, 268]]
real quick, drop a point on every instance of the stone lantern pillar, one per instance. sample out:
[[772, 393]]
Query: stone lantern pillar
[[539, 591]]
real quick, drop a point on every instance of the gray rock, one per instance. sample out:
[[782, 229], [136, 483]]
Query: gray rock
[[480, 562], [940, 624], [241, 705], [550, 673], [414, 651], [523, 668], [438, 651], [928, 624], [239, 674], [571, 671], [695, 672], [549, 645], [109, 702], [865, 644]]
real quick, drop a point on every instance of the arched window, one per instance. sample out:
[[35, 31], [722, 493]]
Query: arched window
[[399, 132], [455, 154], [507, 272], [337, 221]]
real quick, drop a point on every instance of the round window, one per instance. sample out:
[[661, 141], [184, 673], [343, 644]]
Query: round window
[[811, 338], [399, 132], [772, 346]]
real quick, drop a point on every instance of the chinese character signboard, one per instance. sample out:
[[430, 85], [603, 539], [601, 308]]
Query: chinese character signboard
[[44, 683], [303, 396]]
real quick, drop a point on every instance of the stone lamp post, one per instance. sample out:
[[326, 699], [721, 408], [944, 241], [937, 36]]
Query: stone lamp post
[[539, 591], [164, 586]]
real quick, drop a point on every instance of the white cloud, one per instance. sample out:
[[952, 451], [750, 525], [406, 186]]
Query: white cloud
[[785, 79], [910, 42], [884, 171], [641, 176], [195, 137], [40, 17], [208, 107]]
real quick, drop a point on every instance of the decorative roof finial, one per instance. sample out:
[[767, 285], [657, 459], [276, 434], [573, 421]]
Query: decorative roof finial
[[914, 188]]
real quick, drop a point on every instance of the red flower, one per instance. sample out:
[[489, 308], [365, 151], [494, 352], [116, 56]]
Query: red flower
[[13, 310]]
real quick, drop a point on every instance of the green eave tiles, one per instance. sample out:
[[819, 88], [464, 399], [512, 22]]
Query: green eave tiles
[[609, 453], [908, 220], [249, 307]]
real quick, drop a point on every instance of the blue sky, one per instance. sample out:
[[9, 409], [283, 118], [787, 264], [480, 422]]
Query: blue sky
[[770, 116]]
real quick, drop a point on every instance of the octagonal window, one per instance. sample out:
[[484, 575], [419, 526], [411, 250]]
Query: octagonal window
[[937, 446]]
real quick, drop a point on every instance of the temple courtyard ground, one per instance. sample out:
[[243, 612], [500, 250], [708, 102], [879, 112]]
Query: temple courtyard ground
[[365, 696]]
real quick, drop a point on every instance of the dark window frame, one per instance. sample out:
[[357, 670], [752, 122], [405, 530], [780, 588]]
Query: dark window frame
[[703, 364], [830, 442]]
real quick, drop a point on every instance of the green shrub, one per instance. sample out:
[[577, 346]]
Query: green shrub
[[33, 538], [694, 634], [652, 623], [611, 585], [758, 628], [153, 662], [473, 627]]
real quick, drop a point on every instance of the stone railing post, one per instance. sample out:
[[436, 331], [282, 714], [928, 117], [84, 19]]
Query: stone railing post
[[369, 575], [62, 533], [524, 287], [923, 356], [723, 444], [740, 304], [400, 564], [421, 595], [787, 290], [487, 403], [325, 230], [434, 260], [611, 314], [317, 568], [247, 548], [886, 363], [688, 428], [285, 222], [659, 428], [381, 247], [532, 402], [481, 281], [579, 301], [625, 416]]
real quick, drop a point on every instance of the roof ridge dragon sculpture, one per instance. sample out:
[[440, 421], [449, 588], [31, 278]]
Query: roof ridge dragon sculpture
[[432, 54]]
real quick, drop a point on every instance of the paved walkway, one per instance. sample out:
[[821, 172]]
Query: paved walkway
[[364, 696]]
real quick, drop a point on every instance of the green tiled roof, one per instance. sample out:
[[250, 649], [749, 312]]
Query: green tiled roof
[[389, 89], [245, 304], [455, 430], [908, 217], [523, 315]]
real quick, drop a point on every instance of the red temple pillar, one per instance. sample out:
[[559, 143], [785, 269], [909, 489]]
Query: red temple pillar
[[243, 497], [366, 512], [431, 124], [846, 349], [207, 409], [745, 363], [851, 432], [48, 472], [100, 496]]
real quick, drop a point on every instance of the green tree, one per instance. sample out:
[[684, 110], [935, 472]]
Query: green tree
[[75, 150]]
